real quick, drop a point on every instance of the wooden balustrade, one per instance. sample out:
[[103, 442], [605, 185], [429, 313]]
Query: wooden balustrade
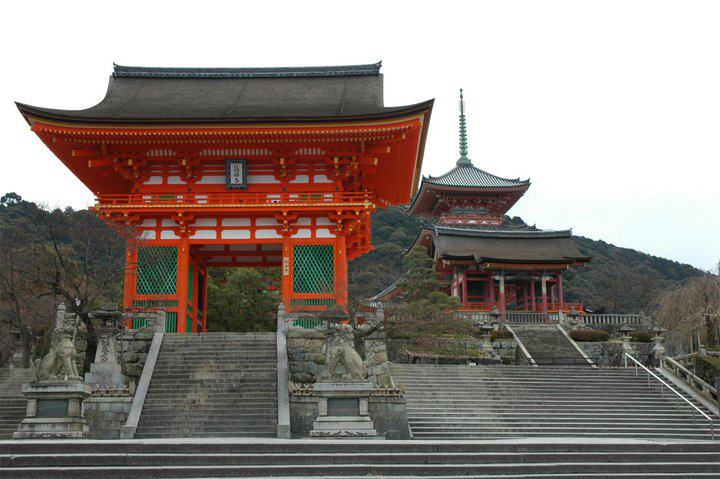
[[236, 200]]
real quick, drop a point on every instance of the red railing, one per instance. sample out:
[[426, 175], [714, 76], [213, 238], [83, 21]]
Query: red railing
[[237, 200]]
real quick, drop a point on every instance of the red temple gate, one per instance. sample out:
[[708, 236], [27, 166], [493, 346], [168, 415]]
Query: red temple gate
[[207, 180]]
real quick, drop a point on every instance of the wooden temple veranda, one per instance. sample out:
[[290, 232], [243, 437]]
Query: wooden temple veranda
[[491, 264], [240, 167]]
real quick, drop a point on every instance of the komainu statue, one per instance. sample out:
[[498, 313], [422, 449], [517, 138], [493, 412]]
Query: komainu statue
[[340, 351], [59, 362]]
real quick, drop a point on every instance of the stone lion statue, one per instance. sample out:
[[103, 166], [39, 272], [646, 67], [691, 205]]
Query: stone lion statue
[[59, 362], [340, 350]]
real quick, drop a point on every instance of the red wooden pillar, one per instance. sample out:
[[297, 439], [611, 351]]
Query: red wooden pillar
[[131, 264], [552, 294], [532, 293], [341, 273], [182, 283], [492, 289], [463, 278], [560, 291], [502, 296], [543, 286]]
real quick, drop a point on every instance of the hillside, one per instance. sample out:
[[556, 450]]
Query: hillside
[[616, 280]]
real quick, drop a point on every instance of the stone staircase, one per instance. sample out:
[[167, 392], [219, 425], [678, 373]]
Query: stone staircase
[[480, 402], [212, 384], [12, 401], [548, 346], [183, 458]]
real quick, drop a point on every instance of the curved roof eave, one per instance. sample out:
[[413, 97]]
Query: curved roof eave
[[30, 113], [473, 177]]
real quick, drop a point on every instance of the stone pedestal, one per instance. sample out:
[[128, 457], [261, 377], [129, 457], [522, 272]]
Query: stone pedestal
[[54, 410], [106, 373], [343, 410]]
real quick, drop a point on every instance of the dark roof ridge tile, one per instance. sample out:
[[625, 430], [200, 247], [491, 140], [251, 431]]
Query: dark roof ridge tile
[[124, 71]]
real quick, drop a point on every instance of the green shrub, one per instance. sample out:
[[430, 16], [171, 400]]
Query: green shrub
[[707, 369], [641, 336], [589, 335], [500, 334]]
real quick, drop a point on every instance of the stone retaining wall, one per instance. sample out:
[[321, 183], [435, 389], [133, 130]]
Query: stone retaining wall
[[105, 415], [134, 345], [609, 353], [506, 349]]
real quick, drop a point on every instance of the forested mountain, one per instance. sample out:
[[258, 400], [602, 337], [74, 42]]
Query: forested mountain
[[616, 280], [34, 241]]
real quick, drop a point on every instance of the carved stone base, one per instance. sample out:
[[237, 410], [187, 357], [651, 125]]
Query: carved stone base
[[343, 411], [54, 410]]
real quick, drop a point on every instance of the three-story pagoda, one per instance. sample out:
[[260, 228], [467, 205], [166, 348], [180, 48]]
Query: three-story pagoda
[[492, 265]]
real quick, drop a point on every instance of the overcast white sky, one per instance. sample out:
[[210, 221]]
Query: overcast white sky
[[612, 108]]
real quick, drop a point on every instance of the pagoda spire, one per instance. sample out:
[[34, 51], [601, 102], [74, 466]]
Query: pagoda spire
[[463, 160]]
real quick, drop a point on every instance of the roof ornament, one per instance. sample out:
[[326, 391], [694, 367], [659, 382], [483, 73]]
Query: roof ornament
[[464, 160]]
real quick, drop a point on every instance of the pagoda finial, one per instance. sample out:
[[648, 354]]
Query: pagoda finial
[[464, 160]]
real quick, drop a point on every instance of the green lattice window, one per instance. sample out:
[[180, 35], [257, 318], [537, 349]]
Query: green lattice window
[[171, 322], [157, 270], [313, 269], [155, 303], [140, 322]]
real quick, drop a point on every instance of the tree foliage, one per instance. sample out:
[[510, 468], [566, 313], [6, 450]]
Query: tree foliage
[[52, 256], [692, 307], [242, 299]]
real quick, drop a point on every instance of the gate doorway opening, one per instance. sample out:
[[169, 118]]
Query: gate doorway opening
[[242, 299]]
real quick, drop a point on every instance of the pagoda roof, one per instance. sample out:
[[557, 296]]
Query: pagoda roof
[[469, 176], [503, 245], [142, 95]]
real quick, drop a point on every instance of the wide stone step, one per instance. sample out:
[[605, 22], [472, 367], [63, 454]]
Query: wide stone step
[[108, 460], [370, 469], [181, 404], [206, 385]]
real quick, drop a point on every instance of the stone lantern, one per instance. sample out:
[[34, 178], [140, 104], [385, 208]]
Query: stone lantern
[[658, 349], [494, 314], [487, 349], [575, 320], [626, 330]]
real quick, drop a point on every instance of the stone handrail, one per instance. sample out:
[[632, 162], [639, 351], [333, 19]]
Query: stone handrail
[[127, 431], [693, 407], [689, 378], [283, 375], [618, 319]]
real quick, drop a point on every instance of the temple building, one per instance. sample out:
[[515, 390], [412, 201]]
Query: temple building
[[491, 264], [240, 167]]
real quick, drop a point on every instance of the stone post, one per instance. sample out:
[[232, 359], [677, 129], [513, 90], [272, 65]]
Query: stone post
[[283, 376], [105, 372]]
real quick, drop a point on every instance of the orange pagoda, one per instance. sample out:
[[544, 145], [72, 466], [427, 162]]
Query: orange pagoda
[[237, 167], [491, 265]]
